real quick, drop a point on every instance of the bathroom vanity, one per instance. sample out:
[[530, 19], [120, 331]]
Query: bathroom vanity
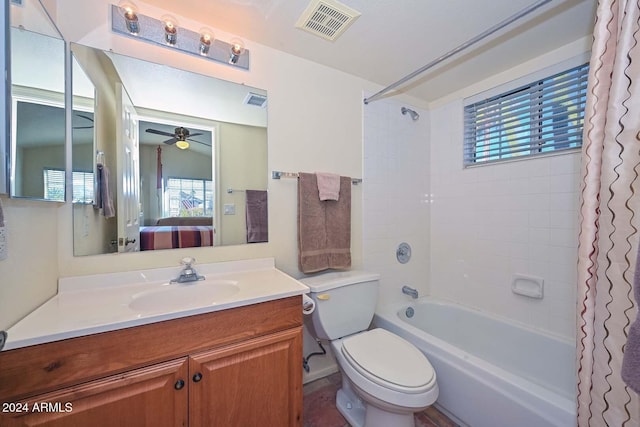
[[228, 366]]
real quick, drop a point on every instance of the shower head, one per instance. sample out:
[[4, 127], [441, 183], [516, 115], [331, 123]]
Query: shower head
[[415, 116]]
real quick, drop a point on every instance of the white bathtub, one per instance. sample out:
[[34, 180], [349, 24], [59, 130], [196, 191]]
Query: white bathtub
[[491, 373]]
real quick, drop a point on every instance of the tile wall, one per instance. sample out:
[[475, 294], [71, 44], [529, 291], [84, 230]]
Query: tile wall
[[396, 197], [491, 222]]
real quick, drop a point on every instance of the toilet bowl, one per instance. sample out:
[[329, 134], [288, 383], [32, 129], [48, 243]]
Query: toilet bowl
[[385, 379]]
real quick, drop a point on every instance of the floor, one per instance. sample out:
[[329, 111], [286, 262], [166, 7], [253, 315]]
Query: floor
[[320, 407]]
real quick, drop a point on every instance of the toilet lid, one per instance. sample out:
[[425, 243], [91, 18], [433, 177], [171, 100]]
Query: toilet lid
[[389, 361]]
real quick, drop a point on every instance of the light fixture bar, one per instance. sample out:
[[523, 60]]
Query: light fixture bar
[[153, 31]]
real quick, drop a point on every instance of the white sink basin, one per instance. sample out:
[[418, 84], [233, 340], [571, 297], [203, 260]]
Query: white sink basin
[[180, 296]]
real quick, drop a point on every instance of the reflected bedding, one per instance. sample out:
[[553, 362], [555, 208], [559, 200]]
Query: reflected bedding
[[171, 237]]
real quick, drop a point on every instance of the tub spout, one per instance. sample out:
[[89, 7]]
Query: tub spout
[[410, 291]]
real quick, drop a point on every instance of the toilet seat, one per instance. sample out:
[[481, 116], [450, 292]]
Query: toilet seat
[[389, 361]]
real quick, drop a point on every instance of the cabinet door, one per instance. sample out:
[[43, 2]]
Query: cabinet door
[[254, 383], [151, 396]]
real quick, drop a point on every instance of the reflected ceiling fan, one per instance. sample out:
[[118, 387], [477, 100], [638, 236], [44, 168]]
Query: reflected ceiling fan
[[180, 137]]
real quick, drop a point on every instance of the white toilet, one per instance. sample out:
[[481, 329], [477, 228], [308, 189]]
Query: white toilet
[[385, 379]]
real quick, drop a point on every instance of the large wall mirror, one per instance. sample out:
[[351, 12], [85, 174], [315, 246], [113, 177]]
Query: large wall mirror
[[37, 141], [164, 158]]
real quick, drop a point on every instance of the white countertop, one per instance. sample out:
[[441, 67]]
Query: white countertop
[[87, 305]]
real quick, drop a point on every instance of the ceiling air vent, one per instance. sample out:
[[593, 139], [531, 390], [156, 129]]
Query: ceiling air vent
[[327, 18], [17, 2], [255, 99]]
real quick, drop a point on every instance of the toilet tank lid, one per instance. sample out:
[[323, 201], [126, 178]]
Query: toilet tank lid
[[326, 281]]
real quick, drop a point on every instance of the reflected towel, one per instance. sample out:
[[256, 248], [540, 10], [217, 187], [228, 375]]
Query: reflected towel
[[328, 186], [324, 227], [631, 359], [104, 199], [257, 216]]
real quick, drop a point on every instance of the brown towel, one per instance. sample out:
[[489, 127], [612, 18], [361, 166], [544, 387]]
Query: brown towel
[[324, 227], [257, 216]]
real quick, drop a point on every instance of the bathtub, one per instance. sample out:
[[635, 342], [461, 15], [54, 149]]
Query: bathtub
[[491, 373]]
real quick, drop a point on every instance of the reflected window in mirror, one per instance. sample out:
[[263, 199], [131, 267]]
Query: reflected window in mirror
[[187, 197]]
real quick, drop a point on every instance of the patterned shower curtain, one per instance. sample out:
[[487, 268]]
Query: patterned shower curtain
[[610, 218]]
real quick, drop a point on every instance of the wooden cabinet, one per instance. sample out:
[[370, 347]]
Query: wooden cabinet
[[250, 384], [142, 397], [237, 367]]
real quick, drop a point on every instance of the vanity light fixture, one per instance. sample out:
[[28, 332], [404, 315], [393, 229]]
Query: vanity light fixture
[[129, 12], [237, 47], [181, 144], [170, 29], [127, 21], [206, 37]]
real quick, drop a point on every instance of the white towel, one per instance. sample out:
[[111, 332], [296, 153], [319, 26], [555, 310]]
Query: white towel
[[328, 186]]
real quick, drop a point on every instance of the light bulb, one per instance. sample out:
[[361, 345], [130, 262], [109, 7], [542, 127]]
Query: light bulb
[[237, 47], [170, 29], [183, 145], [206, 38], [129, 11]]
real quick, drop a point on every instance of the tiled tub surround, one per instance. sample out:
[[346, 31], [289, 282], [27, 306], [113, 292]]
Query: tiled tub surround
[[98, 303], [484, 362], [395, 196], [491, 222]]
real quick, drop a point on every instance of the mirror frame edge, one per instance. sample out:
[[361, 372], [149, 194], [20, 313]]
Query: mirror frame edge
[[68, 121], [5, 108]]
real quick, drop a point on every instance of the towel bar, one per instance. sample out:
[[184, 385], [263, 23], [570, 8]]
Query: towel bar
[[279, 174]]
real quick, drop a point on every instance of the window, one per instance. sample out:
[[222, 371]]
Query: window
[[189, 197], [83, 188], [542, 117], [54, 184]]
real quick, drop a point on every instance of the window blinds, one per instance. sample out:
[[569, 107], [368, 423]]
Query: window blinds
[[541, 117]]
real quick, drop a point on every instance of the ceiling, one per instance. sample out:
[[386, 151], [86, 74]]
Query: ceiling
[[392, 38]]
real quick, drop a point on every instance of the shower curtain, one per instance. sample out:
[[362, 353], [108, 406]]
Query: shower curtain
[[609, 218]]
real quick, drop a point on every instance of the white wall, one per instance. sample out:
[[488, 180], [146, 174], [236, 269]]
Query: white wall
[[396, 197]]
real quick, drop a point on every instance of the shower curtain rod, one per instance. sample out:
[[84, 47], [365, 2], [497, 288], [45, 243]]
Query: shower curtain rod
[[460, 48]]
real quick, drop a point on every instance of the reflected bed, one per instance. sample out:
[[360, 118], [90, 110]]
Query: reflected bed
[[176, 236]]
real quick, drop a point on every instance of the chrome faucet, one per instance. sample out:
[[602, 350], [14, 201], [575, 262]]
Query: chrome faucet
[[188, 273], [413, 293]]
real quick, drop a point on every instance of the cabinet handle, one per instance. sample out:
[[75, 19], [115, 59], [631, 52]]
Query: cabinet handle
[[197, 377], [178, 385]]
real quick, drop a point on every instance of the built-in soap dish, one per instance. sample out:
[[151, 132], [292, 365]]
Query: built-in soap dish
[[528, 286]]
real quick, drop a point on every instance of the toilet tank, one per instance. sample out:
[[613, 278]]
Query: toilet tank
[[345, 302]]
